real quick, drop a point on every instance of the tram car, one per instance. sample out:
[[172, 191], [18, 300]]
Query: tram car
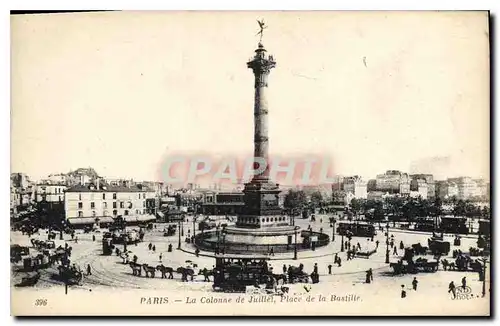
[[484, 227], [425, 224], [454, 225], [234, 273], [356, 229]]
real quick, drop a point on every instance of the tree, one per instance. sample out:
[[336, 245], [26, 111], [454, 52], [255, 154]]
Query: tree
[[357, 205], [459, 208], [316, 198], [295, 199]]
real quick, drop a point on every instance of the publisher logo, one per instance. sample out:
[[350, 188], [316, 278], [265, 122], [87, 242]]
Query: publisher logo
[[463, 293]]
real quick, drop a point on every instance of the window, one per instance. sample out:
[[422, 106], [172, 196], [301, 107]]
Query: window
[[80, 214], [114, 204], [126, 212], [122, 205], [143, 211], [115, 212], [92, 205], [105, 213], [80, 205], [114, 196], [143, 196], [60, 198], [143, 204], [137, 211], [93, 213], [79, 196], [105, 205], [139, 196], [104, 196]]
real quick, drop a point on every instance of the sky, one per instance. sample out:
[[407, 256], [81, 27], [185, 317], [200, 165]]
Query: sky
[[123, 91]]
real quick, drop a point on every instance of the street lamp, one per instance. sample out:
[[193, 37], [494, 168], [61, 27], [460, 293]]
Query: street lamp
[[342, 244], [484, 277], [179, 244], [194, 221], [333, 229], [295, 247], [387, 244]]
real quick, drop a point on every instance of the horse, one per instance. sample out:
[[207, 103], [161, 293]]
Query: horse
[[207, 273], [280, 277], [149, 270], [136, 268], [124, 257], [164, 270], [185, 272]]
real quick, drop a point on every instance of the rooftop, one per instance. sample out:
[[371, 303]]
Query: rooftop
[[108, 188]]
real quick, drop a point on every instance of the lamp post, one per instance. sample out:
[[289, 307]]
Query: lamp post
[[483, 292], [295, 247], [342, 244], [194, 225], [182, 226], [179, 244], [333, 229], [218, 237], [387, 244]]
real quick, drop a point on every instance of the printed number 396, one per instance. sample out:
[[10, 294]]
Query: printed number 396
[[40, 302]]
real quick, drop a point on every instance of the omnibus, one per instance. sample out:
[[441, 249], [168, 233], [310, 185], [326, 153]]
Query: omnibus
[[357, 229], [455, 225], [424, 224], [233, 273]]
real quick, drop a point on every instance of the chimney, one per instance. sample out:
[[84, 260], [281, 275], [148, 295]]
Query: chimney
[[97, 183], [82, 180]]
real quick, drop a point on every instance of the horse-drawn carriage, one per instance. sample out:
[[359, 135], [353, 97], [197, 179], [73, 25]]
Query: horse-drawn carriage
[[296, 274], [70, 275], [235, 273], [29, 280], [438, 246], [170, 231], [421, 264], [17, 251]]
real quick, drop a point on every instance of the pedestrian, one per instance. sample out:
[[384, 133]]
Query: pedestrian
[[150, 246], [339, 262], [464, 282], [346, 243], [315, 270], [320, 230], [330, 269], [376, 243], [205, 274], [401, 245], [395, 251], [93, 237], [414, 283], [358, 246], [452, 289], [403, 292], [272, 251], [392, 243], [154, 248], [284, 269], [197, 252], [89, 270], [161, 257], [170, 247], [335, 258], [369, 276], [76, 239]]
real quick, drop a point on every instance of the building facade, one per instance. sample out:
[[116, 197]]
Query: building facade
[[216, 203], [356, 186], [88, 202], [393, 181], [429, 179]]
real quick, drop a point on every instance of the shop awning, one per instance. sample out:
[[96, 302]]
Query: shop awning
[[81, 220], [144, 218]]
